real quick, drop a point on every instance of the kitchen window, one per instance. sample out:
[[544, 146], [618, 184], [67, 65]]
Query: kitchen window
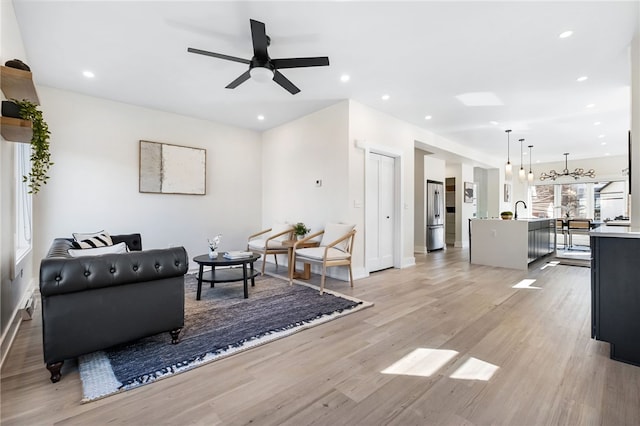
[[600, 201]]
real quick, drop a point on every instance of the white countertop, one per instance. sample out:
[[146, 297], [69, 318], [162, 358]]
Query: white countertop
[[616, 232]]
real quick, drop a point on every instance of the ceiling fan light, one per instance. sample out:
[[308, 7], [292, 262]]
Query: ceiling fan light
[[261, 74]]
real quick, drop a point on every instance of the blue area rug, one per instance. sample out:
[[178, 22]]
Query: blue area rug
[[220, 324]]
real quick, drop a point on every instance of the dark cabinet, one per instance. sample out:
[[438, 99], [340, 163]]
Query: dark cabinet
[[615, 296], [541, 235]]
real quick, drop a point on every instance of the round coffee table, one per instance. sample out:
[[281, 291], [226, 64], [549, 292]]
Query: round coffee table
[[228, 274]]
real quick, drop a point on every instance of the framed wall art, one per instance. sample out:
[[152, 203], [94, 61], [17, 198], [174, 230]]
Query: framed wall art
[[507, 193], [172, 169], [468, 192]]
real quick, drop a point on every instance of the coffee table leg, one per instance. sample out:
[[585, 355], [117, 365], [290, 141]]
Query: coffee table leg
[[253, 276], [199, 282], [246, 284]]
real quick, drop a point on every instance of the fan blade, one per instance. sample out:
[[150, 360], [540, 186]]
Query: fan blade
[[319, 61], [284, 82], [218, 55], [259, 38], [238, 81]]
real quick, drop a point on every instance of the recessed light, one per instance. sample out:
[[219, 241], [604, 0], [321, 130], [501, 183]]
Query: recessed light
[[590, 105], [606, 153], [581, 79], [385, 97], [88, 74], [344, 78], [603, 143], [600, 136], [597, 123], [495, 123], [566, 34], [261, 117], [428, 117]]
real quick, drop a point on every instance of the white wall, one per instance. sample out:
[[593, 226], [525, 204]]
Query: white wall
[[12, 290], [294, 156], [94, 181], [382, 133]]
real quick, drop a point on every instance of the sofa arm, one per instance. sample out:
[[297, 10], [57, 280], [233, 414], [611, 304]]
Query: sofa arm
[[67, 275]]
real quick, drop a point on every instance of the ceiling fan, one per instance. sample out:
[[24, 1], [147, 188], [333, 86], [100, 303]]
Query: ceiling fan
[[261, 66]]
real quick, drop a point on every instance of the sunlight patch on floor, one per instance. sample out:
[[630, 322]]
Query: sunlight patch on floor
[[475, 369], [421, 362], [552, 263], [526, 283]]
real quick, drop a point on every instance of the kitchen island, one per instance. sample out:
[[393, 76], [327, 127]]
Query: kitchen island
[[615, 290], [510, 244]]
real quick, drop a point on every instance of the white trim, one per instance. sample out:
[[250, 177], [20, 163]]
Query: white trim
[[408, 262], [398, 223], [11, 331]]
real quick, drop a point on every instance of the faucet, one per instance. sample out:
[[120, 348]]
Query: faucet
[[516, 207]]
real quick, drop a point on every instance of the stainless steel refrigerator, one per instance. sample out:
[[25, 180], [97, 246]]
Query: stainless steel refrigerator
[[435, 215]]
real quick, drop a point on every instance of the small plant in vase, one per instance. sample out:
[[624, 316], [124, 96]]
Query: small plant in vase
[[300, 229], [506, 215], [213, 246]]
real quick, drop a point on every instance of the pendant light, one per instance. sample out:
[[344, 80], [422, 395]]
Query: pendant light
[[530, 175], [507, 168], [521, 173]]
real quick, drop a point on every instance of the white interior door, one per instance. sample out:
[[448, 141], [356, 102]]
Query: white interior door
[[380, 212]]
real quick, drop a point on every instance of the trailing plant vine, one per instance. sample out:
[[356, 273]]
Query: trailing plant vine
[[40, 156]]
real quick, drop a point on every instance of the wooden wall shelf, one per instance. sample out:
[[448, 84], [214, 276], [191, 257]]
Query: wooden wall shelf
[[16, 130], [18, 84]]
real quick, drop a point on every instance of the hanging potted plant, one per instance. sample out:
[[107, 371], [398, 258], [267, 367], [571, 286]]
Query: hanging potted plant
[[40, 156]]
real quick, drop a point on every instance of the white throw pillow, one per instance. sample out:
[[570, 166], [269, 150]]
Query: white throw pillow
[[116, 248], [333, 231]]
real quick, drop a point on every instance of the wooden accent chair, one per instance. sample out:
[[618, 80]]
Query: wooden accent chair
[[269, 241], [578, 226], [335, 249]]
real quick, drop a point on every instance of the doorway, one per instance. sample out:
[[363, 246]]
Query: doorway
[[381, 212]]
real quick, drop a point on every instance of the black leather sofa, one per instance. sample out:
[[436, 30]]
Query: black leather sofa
[[95, 302]]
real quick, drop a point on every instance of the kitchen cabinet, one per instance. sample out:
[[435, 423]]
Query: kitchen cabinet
[[615, 291], [541, 240], [511, 243]]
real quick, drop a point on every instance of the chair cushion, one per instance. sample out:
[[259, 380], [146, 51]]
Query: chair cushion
[[317, 253], [278, 228], [333, 231], [258, 244]]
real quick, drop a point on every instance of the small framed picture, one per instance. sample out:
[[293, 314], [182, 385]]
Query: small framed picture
[[468, 192], [507, 192]]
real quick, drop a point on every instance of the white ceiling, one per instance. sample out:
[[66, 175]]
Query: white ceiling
[[423, 54]]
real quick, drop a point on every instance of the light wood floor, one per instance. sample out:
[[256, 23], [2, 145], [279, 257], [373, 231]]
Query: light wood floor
[[549, 370]]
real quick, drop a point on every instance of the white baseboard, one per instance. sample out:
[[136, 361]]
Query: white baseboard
[[16, 319], [408, 262]]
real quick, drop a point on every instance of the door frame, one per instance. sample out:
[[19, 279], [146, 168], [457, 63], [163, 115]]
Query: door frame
[[398, 202]]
